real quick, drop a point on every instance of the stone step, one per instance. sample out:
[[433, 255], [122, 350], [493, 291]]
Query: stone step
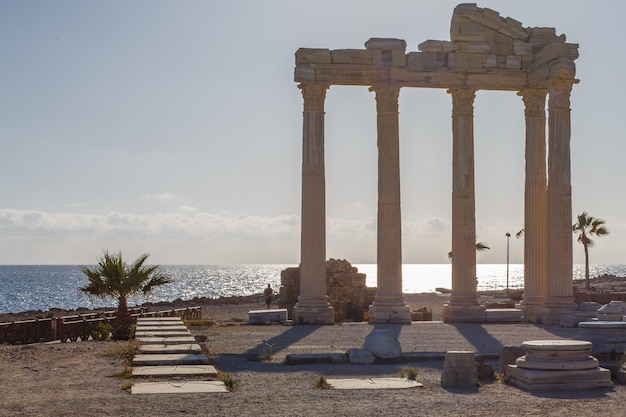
[[176, 387], [161, 319], [175, 370], [503, 315], [166, 340], [158, 359], [178, 348], [162, 333], [165, 328], [159, 323]]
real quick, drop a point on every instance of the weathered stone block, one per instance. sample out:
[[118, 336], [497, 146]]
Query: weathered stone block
[[351, 56], [521, 47], [508, 356], [436, 46], [386, 44], [267, 316], [427, 60], [361, 356], [383, 344], [304, 73], [472, 47], [312, 56], [513, 62], [459, 370]]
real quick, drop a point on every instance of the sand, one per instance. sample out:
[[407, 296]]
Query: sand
[[72, 379]]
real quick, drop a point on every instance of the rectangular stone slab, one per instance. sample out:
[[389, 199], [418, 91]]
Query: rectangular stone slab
[[166, 340], [178, 348], [160, 323], [373, 383], [140, 319], [267, 316], [185, 387], [166, 328], [162, 333], [175, 370], [158, 359]]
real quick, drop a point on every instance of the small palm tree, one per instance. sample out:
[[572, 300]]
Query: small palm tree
[[114, 278], [480, 246], [587, 226]]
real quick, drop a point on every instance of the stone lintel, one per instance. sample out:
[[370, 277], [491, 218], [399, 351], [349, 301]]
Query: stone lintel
[[413, 76]]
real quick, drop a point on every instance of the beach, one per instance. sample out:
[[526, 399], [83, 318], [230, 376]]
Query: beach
[[73, 379]]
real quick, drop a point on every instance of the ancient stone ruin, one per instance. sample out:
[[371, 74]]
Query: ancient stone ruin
[[485, 52], [346, 290]]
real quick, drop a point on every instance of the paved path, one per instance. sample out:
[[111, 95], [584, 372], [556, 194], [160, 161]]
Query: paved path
[[169, 352]]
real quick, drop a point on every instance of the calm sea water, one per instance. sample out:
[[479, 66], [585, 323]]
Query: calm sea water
[[41, 287]]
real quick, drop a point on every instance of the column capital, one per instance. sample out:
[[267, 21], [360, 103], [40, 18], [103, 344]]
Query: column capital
[[534, 101], [386, 97], [314, 95], [462, 101], [559, 90]]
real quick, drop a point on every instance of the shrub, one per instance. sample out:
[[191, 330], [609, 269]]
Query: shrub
[[102, 331], [322, 383], [409, 373]]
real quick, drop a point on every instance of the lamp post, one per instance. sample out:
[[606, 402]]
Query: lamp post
[[508, 236]]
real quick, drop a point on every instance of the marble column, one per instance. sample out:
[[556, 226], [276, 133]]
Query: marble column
[[464, 304], [312, 306], [535, 203], [388, 305], [559, 297]]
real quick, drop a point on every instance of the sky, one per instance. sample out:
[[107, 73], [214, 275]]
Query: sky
[[175, 128]]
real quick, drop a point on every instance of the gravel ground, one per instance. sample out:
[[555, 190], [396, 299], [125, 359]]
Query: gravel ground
[[72, 379]]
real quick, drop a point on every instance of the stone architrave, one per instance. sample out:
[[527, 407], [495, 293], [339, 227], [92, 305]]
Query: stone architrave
[[389, 305], [535, 204], [485, 52], [312, 306], [464, 304]]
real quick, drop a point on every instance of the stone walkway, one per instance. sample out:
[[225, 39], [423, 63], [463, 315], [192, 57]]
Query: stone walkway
[[171, 359]]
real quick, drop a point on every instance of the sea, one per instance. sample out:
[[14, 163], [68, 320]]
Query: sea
[[42, 287]]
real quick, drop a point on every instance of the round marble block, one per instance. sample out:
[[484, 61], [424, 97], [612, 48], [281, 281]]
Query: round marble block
[[557, 345], [558, 365]]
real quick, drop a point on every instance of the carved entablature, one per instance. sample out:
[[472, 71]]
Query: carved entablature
[[485, 51]]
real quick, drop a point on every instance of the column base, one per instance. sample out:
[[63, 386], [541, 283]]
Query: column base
[[464, 313], [531, 308], [313, 311], [551, 312], [389, 313]]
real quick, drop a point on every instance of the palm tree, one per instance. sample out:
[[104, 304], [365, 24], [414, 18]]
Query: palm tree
[[587, 226], [480, 246], [114, 278]]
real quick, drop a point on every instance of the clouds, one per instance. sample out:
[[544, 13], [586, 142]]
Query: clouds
[[190, 236], [194, 236]]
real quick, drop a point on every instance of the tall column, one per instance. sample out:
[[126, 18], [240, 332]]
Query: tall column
[[312, 306], [559, 292], [388, 305], [535, 203], [464, 304]]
